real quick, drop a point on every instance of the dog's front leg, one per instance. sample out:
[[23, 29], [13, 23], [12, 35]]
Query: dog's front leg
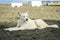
[[18, 24]]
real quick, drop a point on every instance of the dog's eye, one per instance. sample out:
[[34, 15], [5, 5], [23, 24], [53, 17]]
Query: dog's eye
[[23, 16]]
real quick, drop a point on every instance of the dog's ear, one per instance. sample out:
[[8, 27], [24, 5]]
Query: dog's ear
[[19, 13]]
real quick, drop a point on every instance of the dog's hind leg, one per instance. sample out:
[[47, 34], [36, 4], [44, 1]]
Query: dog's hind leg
[[41, 24]]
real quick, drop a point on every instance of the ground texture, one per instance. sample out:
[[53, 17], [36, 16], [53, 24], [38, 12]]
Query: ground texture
[[43, 34]]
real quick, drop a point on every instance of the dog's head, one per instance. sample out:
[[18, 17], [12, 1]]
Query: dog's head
[[23, 16]]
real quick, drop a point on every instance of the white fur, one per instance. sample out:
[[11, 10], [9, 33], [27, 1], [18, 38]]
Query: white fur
[[23, 24], [42, 24]]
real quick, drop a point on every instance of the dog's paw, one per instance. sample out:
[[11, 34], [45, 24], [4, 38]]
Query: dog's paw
[[7, 30]]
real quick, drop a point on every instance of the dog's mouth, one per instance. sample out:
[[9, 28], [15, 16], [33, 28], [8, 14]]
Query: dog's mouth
[[26, 20]]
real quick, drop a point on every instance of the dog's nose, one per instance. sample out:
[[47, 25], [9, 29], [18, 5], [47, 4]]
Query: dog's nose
[[26, 19]]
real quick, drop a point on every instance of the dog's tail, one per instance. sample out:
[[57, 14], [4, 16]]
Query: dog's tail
[[54, 26]]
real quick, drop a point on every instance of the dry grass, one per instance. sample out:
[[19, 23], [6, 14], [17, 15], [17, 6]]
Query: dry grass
[[7, 13]]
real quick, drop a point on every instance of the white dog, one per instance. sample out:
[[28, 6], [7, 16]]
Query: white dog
[[26, 23]]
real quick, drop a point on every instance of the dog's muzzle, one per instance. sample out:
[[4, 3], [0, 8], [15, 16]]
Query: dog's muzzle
[[26, 19]]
